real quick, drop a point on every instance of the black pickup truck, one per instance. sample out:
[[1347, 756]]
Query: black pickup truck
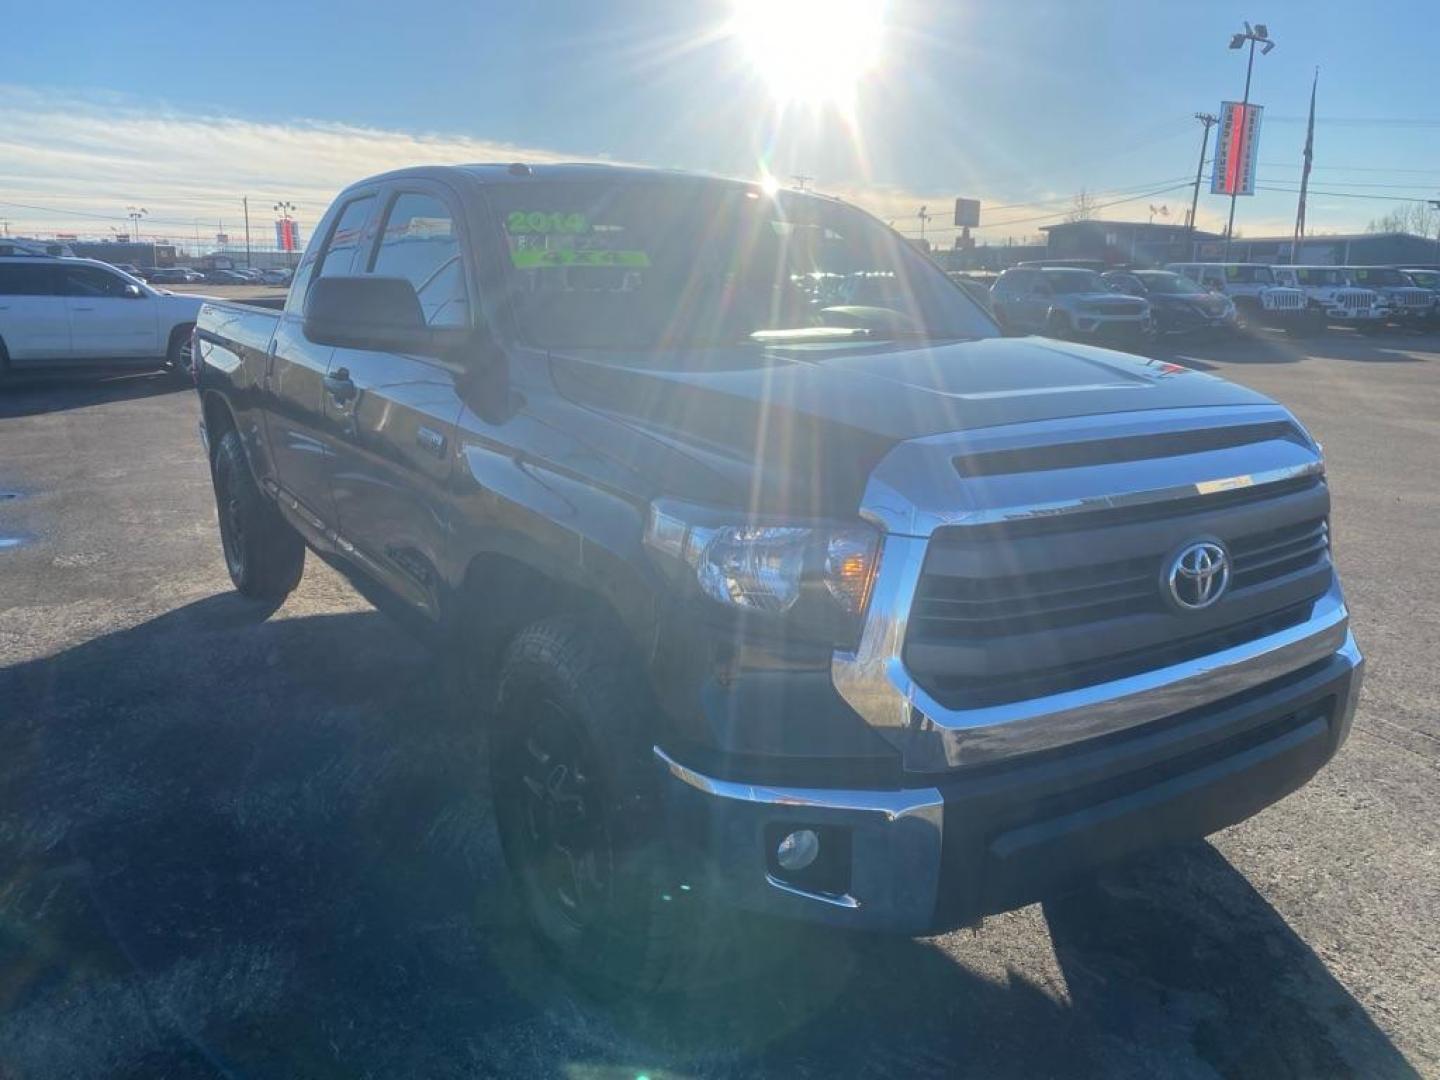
[[782, 580]]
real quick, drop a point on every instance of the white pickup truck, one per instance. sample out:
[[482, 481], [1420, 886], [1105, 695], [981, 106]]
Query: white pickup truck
[[58, 313]]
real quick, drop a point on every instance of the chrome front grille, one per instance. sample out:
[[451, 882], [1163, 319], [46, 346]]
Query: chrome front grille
[[1355, 299], [977, 609], [1004, 614], [1414, 298], [1283, 299]]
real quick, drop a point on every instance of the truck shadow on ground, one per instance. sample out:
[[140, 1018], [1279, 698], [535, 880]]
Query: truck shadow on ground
[[261, 846], [36, 395]]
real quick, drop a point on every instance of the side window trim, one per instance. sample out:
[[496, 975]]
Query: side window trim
[[453, 207]]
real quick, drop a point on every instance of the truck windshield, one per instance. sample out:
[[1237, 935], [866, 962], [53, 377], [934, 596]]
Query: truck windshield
[[668, 264]]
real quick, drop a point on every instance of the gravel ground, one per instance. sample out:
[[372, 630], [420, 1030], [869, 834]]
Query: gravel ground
[[242, 842]]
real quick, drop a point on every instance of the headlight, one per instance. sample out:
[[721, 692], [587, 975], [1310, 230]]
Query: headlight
[[814, 574]]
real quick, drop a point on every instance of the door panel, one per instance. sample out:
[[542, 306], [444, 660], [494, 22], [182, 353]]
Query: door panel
[[394, 419], [105, 322], [301, 438], [396, 415], [300, 446], [34, 323]]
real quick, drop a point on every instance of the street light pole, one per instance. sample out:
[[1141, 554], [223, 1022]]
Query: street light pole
[[1258, 35], [1435, 205], [135, 213]]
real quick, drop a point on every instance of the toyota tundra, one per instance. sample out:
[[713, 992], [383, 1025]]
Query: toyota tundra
[[782, 581]]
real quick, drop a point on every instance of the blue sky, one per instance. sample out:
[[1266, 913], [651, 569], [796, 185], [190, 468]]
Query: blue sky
[[183, 107]]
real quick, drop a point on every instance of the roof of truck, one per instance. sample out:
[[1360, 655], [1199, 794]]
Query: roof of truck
[[521, 172]]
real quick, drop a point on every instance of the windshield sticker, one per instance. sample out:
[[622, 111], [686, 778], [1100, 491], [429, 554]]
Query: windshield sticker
[[536, 258], [524, 222]]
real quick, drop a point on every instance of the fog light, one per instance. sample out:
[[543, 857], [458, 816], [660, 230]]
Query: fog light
[[798, 850]]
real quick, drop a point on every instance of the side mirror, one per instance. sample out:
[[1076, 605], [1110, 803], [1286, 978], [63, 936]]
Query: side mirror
[[380, 313], [134, 292]]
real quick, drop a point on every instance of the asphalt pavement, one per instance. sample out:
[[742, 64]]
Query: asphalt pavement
[[245, 842]]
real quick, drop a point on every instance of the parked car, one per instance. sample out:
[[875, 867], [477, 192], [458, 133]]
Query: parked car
[[1067, 302], [1408, 302], [1425, 278], [225, 277], [56, 313], [167, 275], [275, 277], [129, 268], [1177, 304], [1253, 289], [866, 617], [192, 276], [1328, 291]]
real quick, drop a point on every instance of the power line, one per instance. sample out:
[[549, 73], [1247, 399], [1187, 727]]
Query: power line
[[1346, 194], [1097, 206]]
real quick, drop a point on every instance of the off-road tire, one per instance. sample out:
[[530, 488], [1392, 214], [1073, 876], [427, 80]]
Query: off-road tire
[[263, 553], [571, 697]]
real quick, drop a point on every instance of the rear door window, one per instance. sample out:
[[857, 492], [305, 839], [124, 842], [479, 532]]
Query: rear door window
[[420, 243], [18, 279], [337, 255], [91, 281]]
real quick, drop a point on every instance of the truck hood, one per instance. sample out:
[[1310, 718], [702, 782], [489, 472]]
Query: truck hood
[[800, 427]]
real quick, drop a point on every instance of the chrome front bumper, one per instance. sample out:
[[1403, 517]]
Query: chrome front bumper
[[908, 875]]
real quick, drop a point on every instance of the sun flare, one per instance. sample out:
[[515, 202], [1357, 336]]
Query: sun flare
[[811, 52]]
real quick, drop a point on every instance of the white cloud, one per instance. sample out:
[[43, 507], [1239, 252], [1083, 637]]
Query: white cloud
[[77, 156], [74, 156]]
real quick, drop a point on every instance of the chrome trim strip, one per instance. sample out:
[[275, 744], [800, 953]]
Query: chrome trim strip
[[843, 901], [889, 805]]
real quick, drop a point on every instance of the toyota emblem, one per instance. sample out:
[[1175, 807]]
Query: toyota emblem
[[1198, 575]]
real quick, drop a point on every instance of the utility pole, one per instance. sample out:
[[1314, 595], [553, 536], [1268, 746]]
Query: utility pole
[[802, 182], [1435, 205], [1206, 120], [1260, 34], [245, 202], [924, 216]]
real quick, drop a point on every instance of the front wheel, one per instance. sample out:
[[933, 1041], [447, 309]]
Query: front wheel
[[263, 553], [1057, 325], [573, 780]]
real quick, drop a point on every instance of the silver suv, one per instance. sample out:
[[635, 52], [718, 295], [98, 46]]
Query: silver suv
[[1066, 302]]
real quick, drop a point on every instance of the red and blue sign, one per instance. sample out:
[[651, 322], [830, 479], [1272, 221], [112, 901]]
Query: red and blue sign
[[1237, 147]]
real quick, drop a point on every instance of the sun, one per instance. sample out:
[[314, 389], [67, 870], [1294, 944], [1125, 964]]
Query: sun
[[811, 52]]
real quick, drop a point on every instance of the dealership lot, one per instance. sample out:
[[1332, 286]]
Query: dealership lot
[[253, 843]]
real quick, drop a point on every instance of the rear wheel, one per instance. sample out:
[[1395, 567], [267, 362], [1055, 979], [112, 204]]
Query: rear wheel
[[179, 357], [263, 553], [573, 781]]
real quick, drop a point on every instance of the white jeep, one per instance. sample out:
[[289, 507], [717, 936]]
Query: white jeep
[[1328, 290]]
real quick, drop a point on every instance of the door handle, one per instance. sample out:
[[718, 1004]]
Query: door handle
[[339, 385], [430, 439]]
